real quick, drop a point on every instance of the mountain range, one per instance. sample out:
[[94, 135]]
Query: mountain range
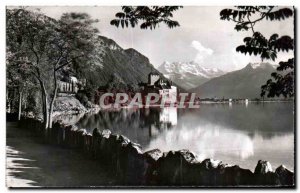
[[188, 74], [132, 67], [244, 83], [128, 65]]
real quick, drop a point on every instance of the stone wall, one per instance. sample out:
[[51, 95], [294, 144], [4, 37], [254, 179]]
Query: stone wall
[[133, 167]]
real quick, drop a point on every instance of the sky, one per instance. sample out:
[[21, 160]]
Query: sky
[[202, 37]]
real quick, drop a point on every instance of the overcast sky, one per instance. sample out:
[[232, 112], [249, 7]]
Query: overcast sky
[[202, 37]]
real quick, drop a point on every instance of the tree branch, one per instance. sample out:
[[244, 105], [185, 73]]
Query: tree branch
[[67, 62]]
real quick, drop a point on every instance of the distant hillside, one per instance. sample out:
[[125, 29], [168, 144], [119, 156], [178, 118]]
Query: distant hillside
[[188, 74], [130, 66], [244, 83], [127, 64]]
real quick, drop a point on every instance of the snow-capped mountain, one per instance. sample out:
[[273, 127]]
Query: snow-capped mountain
[[188, 74], [261, 65], [189, 67], [243, 83]]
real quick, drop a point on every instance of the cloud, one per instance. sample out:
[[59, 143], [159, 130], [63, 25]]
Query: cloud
[[239, 60], [202, 52]]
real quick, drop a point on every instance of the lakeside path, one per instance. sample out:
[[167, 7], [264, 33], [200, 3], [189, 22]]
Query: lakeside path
[[33, 164]]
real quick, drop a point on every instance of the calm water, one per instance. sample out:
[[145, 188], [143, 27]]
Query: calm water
[[235, 134]]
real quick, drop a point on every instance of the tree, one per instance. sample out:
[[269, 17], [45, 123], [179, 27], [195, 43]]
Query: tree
[[28, 34], [75, 43], [18, 77], [50, 47], [150, 16], [245, 18]]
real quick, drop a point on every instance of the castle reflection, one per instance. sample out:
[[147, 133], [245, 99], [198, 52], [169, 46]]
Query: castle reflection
[[236, 134], [139, 125]]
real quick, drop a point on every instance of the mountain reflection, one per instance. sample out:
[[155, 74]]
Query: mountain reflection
[[140, 125], [206, 141]]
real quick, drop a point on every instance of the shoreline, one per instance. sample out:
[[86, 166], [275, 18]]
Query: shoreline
[[155, 167], [97, 109]]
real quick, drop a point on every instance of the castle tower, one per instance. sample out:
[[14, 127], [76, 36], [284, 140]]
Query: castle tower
[[153, 77]]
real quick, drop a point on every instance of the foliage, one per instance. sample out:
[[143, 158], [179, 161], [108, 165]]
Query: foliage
[[284, 84], [50, 47], [82, 97], [150, 16], [245, 18], [116, 84], [27, 35], [242, 15], [78, 43]]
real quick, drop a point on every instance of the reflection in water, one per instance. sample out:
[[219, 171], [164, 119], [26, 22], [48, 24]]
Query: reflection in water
[[70, 119], [235, 134], [246, 102], [168, 115], [206, 141]]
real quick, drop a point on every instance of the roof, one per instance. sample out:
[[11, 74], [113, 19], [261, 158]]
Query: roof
[[163, 84], [73, 78], [153, 73]]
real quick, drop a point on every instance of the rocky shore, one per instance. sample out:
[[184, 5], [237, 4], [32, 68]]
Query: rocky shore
[[154, 168]]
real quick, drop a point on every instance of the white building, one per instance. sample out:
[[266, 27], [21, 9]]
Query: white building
[[163, 87], [71, 85]]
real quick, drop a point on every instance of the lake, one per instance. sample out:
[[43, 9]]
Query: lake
[[235, 134]]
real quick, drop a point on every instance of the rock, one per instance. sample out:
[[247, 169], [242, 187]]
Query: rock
[[210, 163], [96, 133], [205, 173], [234, 176], [123, 141], [131, 164], [151, 174], [264, 176], [105, 148], [119, 164], [68, 103], [74, 128], [176, 168], [263, 167], [110, 147], [133, 167], [106, 133], [135, 147], [153, 155], [286, 177]]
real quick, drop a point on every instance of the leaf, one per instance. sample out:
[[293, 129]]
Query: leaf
[[280, 14], [149, 16], [120, 15]]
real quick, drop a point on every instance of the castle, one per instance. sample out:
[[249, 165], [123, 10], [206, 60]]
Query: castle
[[160, 85]]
